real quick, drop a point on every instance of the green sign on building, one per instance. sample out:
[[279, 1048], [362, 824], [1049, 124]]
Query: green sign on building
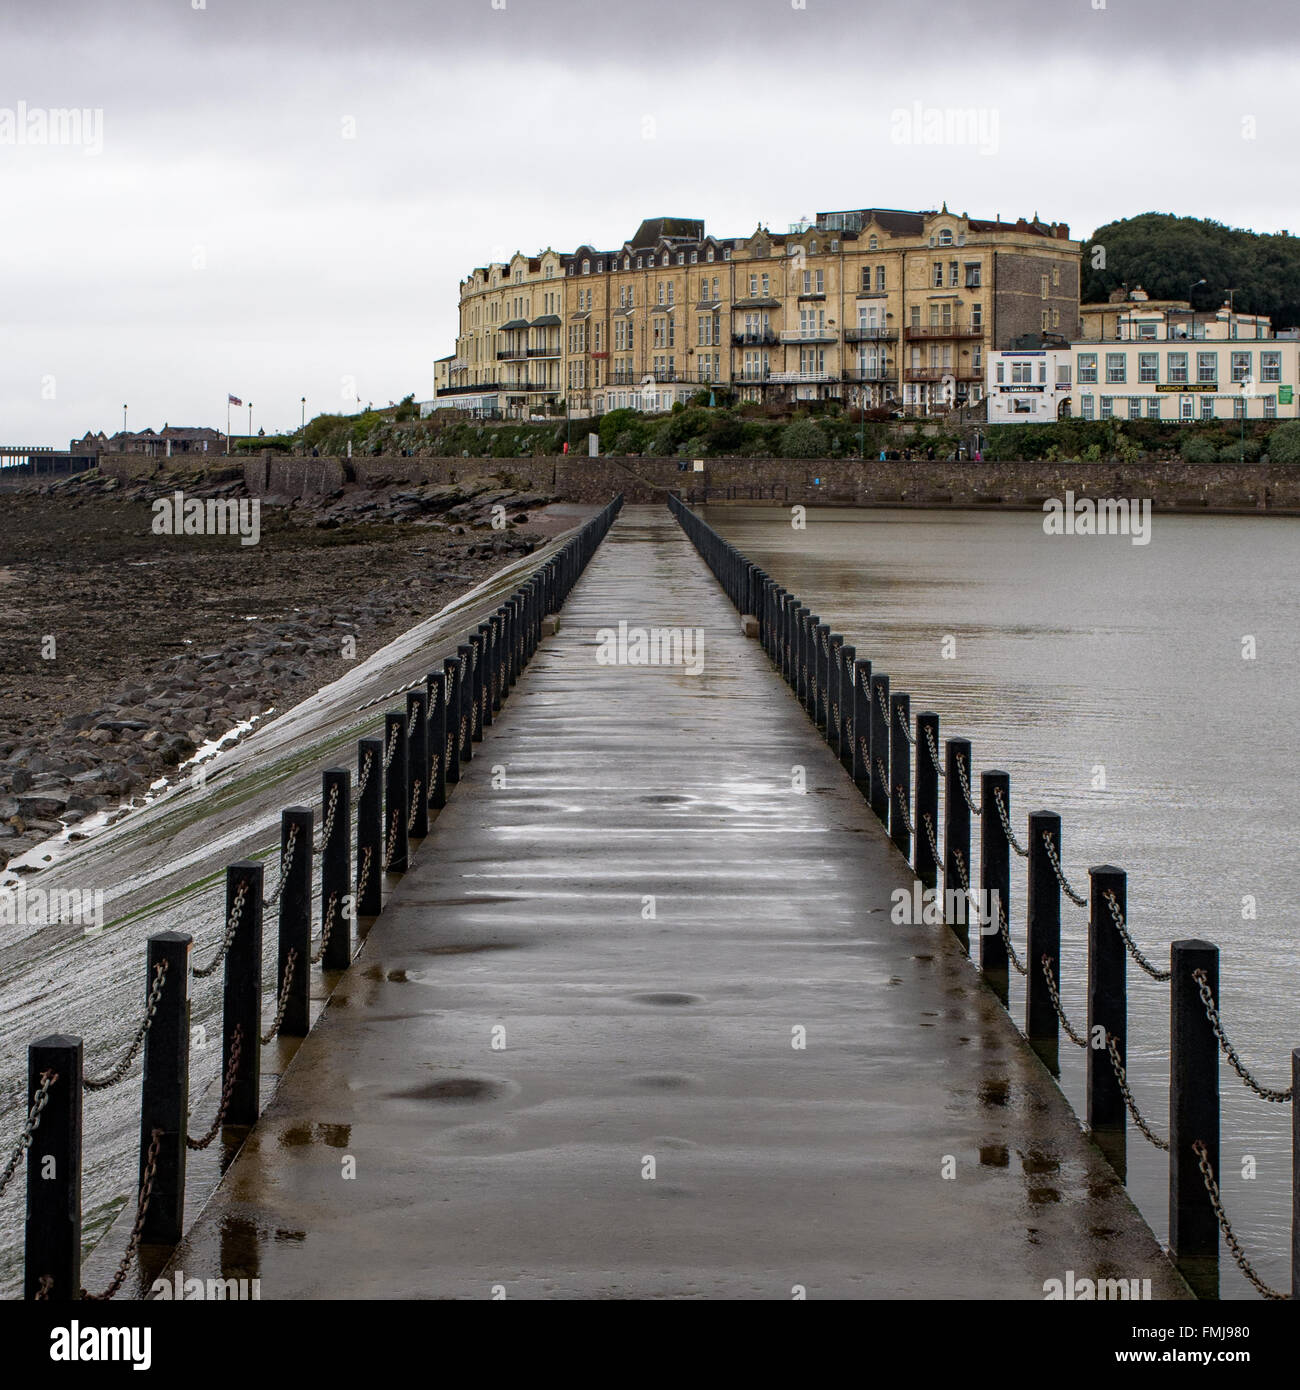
[[1284, 395]]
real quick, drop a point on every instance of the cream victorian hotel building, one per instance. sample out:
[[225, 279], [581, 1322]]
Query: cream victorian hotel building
[[875, 306]]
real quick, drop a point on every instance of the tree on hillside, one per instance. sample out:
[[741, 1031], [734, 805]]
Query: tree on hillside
[[1166, 255]]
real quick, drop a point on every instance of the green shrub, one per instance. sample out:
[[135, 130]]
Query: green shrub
[[803, 440], [1197, 448], [1284, 443]]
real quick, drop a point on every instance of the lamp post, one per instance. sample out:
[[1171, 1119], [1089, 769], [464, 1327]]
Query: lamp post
[[1191, 331], [124, 417], [250, 419], [304, 413]]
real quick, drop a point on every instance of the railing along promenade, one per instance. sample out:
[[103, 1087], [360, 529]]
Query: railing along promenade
[[402, 776], [873, 732]]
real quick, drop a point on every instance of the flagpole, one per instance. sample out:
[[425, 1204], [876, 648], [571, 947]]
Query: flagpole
[[227, 424]]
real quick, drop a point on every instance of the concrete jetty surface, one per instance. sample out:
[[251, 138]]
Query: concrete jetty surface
[[637, 1024]]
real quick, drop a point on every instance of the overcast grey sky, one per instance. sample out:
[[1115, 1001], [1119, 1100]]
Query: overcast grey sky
[[282, 197]]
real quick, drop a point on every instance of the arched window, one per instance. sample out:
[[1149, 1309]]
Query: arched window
[[586, 267], [945, 237]]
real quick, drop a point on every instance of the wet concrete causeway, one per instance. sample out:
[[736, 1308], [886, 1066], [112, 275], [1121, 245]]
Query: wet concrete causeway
[[637, 1024]]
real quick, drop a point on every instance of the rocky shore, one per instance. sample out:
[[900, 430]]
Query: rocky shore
[[124, 650]]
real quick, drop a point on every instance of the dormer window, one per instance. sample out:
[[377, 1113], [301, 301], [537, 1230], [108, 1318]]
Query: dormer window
[[600, 267], [586, 267], [665, 259], [812, 248], [873, 243], [695, 256], [640, 262], [708, 255], [681, 258], [945, 237], [627, 263]]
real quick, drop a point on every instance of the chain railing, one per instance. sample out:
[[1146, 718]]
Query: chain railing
[[934, 752], [201, 972], [102, 1083], [326, 928], [1230, 1052], [30, 1125], [328, 828], [1122, 928], [1121, 1080], [227, 1090], [141, 1211], [900, 799], [283, 1002], [1005, 931], [965, 785], [1079, 899], [1216, 1201], [1055, 994], [1021, 850], [902, 724]]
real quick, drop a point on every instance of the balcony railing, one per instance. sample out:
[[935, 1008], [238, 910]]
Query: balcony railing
[[756, 301], [802, 378], [870, 335], [768, 339], [544, 351], [511, 354], [808, 335], [870, 374], [944, 330], [939, 373], [515, 387], [477, 389]]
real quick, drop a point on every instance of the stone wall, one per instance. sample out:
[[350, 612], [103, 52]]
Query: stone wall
[[924, 483]]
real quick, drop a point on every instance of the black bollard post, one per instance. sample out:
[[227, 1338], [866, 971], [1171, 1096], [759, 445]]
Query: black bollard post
[[880, 745], [370, 826], [926, 817], [801, 619], [1295, 1175], [848, 676], [956, 841], [1193, 1116], [397, 803], [417, 723], [1043, 911], [436, 733], [165, 1086], [834, 644], [452, 718], [242, 1004], [466, 725], [1107, 1012], [489, 701], [862, 727], [900, 762], [821, 667], [336, 868], [995, 881], [296, 828], [478, 642], [53, 1234]]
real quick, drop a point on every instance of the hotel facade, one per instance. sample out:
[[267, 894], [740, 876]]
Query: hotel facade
[[1163, 363], [875, 307]]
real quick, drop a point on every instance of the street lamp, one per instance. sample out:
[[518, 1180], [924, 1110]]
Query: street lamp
[[124, 417], [304, 413]]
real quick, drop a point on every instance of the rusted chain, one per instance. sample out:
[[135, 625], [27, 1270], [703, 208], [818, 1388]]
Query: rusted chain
[[900, 800], [1056, 1003], [328, 829], [286, 863], [902, 724], [364, 875], [30, 1126], [227, 1090], [881, 701], [141, 1210], [326, 929], [282, 1003], [1121, 1079], [43, 1287], [1021, 967], [929, 834], [1118, 918], [934, 752], [391, 749], [1230, 1052], [415, 806], [1021, 850], [102, 1083], [365, 775], [965, 785], [236, 912], [1052, 857], [1216, 1201], [392, 837]]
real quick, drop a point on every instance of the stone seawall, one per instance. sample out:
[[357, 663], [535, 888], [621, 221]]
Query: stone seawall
[[851, 482]]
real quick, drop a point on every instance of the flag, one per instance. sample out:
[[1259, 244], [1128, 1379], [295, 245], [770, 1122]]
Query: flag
[[233, 400]]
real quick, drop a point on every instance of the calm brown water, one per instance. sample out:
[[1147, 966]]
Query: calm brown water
[[1074, 654]]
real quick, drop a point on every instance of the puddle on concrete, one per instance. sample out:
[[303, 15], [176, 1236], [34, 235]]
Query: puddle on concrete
[[994, 1092], [465, 950], [665, 998], [1035, 1162], [665, 1082], [334, 1136], [377, 972], [457, 1089], [994, 1156]]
